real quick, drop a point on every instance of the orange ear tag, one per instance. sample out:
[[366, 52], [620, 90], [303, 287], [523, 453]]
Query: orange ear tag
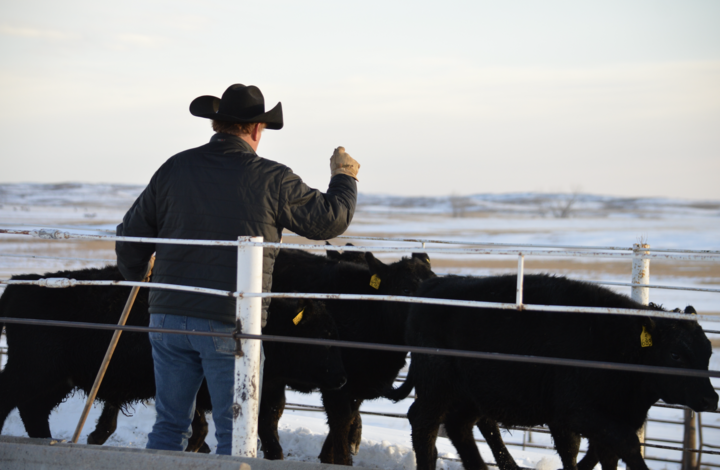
[[375, 281], [645, 339], [298, 317]]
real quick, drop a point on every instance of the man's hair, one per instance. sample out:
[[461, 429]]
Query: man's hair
[[235, 128]]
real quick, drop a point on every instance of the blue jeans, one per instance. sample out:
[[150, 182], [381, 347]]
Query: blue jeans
[[181, 362]]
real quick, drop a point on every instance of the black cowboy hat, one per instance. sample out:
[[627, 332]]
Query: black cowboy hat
[[239, 103]]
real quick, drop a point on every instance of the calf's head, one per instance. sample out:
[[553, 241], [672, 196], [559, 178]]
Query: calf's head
[[357, 257], [305, 366], [679, 344], [400, 278]]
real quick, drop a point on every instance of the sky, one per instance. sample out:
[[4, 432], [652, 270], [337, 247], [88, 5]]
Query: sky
[[432, 98]]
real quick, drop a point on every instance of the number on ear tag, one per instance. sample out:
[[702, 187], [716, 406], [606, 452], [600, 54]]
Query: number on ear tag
[[375, 281], [645, 339], [298, 317]]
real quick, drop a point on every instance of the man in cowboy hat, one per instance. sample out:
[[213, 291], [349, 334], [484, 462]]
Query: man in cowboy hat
[[218, 191]]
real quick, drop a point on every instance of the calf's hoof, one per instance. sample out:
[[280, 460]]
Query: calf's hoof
[[354, 448], [271, 456], [97, 438], [204, 448]]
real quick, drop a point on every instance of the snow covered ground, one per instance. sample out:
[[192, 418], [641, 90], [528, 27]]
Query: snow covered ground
[[561, 219]]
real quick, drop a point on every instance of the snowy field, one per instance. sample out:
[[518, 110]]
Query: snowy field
[[539, 219]]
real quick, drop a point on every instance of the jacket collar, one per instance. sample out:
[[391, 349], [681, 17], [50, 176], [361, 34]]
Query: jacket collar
[[231, 143]]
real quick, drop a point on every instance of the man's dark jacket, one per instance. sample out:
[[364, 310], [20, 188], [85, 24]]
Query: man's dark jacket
[[220, 191]]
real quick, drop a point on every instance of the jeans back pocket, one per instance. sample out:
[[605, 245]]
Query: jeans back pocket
[[223, 345]]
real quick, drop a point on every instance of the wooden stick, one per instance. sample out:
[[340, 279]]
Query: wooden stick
[[109, 353]]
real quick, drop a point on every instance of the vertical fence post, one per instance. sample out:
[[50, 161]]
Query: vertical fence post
[[520, 281], [641, 275], [2, 348], [689, 459], [247, 357]]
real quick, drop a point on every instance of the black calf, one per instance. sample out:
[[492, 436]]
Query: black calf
[[45, 364], [369, 372], [606, 406]]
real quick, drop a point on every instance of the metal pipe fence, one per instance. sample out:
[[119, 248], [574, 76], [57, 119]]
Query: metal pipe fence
[[639, 254], [382, 347]]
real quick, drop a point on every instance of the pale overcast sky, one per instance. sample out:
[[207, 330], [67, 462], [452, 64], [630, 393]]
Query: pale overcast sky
[[432, 98]]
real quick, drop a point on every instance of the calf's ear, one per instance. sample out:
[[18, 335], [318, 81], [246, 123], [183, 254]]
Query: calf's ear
[[647, 326], [304, 308], [690, 310], [422, 257], [331, 254], [377, 267]]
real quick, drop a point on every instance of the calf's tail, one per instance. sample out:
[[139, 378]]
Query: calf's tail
[[3, 301], [397, 394]]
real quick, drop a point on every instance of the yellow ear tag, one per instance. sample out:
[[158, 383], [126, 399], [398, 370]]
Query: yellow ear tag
[[375, 281], [645, 339], [298, 317]]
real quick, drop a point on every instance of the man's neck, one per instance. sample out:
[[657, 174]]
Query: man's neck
[[249, 141]]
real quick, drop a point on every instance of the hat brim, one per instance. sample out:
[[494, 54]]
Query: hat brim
[[207, 107]]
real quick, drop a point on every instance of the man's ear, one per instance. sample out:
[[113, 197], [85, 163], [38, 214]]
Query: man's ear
[[256, 131]]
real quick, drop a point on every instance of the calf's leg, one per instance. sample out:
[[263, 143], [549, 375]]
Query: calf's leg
[[34, 393], [425, 417], [567, 445], [355, 435], [196, 443], [339, 411], [106, 425], [598, 453], [272, 406], [459, 425], [35, 414], [612, 439], [491, 433]]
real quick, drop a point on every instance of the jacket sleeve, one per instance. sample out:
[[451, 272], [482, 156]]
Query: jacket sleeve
[[313, 214], [139, 221]]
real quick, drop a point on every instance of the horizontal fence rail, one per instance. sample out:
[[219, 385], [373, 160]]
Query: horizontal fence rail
[[383, 347], [653, 286], [607, 283], [60, 235], [62, 258], [62, 282], [423, 241]]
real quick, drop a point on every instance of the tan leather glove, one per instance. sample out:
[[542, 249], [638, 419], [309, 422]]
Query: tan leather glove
[[342, 163]]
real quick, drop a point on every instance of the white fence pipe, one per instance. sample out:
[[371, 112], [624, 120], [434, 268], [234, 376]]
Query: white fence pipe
[[640, 274], [57, 234], [63, 282], [520, 279], [479, 251], [61, 258], [516, 245], [654, 286], [246, 400], [58, 282]]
